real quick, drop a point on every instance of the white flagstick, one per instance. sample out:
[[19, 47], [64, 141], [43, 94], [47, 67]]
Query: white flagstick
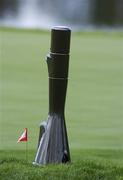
[[27, 151], [24, 137]]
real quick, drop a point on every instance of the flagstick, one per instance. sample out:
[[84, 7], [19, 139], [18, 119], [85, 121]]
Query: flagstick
[[24, 137], [27, 151]]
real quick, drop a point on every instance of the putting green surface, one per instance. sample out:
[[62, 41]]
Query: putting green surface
[[94, 104]]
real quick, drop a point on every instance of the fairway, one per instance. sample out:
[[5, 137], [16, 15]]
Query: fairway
[[94, 104]]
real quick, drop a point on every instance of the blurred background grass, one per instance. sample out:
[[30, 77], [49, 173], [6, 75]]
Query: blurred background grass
[[94, 104]]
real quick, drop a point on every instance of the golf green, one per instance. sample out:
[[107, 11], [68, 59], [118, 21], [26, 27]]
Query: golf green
[[94, 104]]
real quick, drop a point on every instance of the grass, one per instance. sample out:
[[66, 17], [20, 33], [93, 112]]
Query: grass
[[93, 107], [99, 167]]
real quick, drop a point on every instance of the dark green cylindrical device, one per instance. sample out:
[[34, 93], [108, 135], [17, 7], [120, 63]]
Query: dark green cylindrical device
[[53, 141]]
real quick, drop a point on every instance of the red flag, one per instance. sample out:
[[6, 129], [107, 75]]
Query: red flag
[[23, 137]]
